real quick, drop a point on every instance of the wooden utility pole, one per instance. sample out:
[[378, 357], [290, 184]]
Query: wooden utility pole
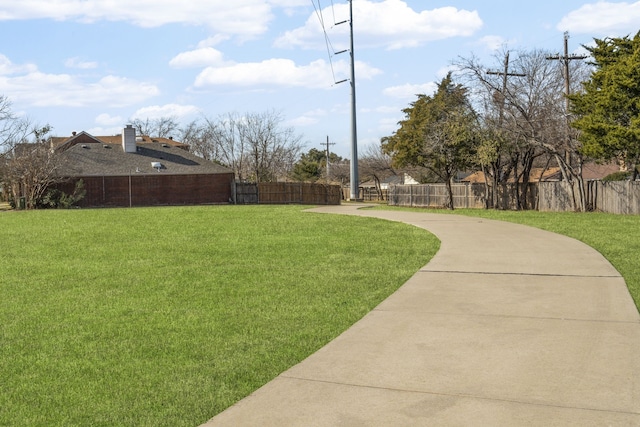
[[565, 59], [505, 75], [327, 144], [496, 168]]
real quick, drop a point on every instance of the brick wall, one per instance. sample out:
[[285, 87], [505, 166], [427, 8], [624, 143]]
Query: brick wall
[[154, 190]]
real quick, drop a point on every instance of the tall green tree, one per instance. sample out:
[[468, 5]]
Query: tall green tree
[[438, 133], [312, 164], [608, 111]]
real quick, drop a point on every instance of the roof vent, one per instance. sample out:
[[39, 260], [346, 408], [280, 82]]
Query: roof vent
[[106, 145], [156, 165], [165, 145], [84, 146]]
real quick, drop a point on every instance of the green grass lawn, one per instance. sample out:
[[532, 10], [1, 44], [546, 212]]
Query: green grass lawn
[[166, 316], [616, 237]]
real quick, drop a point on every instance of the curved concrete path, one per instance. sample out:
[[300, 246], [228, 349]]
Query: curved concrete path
[[507, 326]]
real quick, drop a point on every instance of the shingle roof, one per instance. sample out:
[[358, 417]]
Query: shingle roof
[[536, 175], [594, 171], [93, 156], [62, 143]]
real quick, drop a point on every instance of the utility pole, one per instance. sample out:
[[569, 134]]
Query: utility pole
[[354, 127], [327, 144], [505, 75], [565, 59]]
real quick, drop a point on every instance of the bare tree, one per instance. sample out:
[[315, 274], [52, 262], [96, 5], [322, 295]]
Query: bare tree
[[524, 119], [12, 128], [226, 144], [23, 166], [376, 165], [30, 169], [163, 127], [199, 137], [255, 145]]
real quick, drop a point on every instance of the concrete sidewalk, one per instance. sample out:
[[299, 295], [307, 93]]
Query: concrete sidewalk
[[507, 326]]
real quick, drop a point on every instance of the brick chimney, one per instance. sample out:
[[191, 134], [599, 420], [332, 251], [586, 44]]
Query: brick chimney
[[129, 139]]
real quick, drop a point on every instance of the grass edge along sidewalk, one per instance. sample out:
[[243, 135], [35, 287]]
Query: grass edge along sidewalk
[[166, 316], [616, 237]]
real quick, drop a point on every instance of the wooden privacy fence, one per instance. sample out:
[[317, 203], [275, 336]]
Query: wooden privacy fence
[[287, 193], [366, 194], [435, 195], [619, 197], [465, 195]]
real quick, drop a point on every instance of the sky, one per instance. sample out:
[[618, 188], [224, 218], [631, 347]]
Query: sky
[[95, 65]]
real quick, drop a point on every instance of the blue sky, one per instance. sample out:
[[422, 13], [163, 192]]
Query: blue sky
[[93, 65]]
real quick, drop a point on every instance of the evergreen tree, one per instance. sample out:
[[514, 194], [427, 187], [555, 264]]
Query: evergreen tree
[[438, 134], [608, 111], [312, 164]]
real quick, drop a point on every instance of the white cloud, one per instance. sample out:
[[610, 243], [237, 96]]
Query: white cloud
[[302, 121], [604, 18], [238, 17], [80, 64], [410, 90], [389, 125], [389, 23], [289, 3], [108, 120], [280, 72], [308, 118], [387, 110], [64, 90], [104, 131], [492, 42], [202, 57], [168, 110], [213, 40], [7, 67]]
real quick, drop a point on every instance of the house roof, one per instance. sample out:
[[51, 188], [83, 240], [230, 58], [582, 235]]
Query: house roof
[[86, 155], [591, 171], [62, 143], [537, 175]]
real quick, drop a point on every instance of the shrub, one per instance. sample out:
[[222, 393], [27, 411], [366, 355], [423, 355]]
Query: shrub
[[57, 199]]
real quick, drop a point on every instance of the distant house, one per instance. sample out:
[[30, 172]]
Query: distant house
[[536, 175], [590, 171], [404, 179], [130, 170], [595, 171]]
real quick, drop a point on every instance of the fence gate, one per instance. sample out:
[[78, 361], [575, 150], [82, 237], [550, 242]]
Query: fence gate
[[287, 193]]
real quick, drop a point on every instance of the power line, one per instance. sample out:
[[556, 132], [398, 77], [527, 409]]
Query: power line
[[333, 11], [330, 49]]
